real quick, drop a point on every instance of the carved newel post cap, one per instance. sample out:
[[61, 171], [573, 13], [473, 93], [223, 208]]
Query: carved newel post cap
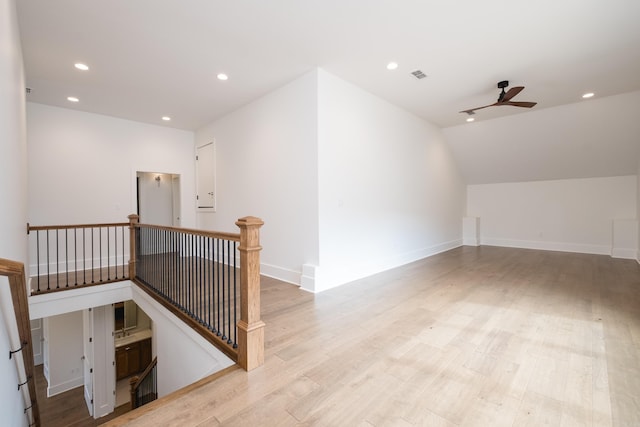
[[249, 220]]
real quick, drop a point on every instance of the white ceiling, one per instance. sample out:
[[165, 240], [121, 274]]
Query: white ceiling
[[595, 138], [151, 58]]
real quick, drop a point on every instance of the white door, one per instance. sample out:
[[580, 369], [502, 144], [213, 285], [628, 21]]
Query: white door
[[205, 171], [87, 358], [104, 370], [36, 341]]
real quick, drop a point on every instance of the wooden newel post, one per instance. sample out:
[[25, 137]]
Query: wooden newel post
[[250, 326], [133, 220], [132, 392]]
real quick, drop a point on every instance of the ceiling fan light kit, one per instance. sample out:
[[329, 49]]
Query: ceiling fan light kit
[[505, 98]]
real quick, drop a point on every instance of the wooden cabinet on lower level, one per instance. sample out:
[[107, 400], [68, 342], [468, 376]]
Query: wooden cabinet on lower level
[[132, 358]]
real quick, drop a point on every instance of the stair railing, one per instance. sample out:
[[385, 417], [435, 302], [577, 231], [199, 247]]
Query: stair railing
[[144, 389], [194, 274], [70, 256], [23, 353]]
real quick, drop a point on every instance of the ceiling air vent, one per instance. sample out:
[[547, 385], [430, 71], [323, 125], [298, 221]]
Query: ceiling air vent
[[418, 74]]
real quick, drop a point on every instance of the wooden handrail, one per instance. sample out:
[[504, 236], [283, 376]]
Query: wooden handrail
[[68, 227], [213, 234], [14, 271]]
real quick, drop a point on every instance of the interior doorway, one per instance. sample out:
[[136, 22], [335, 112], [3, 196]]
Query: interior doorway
[[158, 198]]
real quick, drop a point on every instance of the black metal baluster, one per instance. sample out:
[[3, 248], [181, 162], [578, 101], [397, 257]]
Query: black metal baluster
[[48, 262], [228, 267], [115, 251], [191, 274], [57, 259], [200, 280], [176, 263], [38, 257], [93, 257], [208, 281], [84, 257], [108, 255], [100, 251], [66, 256], [123, 248], [75, 256], [214, 283], [220, 291], [183, 271], [165, 268], [140, 236], [235, 299]]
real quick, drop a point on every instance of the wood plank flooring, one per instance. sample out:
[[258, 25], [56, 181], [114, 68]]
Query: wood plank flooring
[[67, 409], [472, 337]]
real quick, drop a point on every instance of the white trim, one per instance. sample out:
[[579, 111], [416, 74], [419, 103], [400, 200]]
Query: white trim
[[320, 285], [308, 277], [65, 386], [280, 273], [547, 246], [54, 303], [623, 253]]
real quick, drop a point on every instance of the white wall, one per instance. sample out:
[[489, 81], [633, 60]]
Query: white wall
[[266, 166], [82, 166], [184, 356], [333, 170], [390, 192], [64, 335], [573, 215], [13, 189]]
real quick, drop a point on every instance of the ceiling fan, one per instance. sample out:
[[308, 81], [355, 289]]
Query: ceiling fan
[[505, 98]]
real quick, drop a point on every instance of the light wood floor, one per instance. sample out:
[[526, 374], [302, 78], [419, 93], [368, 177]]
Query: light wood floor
[[472, 337]]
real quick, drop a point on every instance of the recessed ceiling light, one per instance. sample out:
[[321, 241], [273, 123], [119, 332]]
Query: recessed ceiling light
[[81, 66], [166, 118], [588, 95], [392, 65], [223, 76], [72, 99], [470, 119]]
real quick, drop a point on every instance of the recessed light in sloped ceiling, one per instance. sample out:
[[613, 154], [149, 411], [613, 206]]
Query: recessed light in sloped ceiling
[[81, 66], [588, 95]]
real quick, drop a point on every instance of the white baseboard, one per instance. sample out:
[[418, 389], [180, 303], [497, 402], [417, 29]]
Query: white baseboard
[[65, 386], [316, 281], [280, 273], [470, 242], [548, 246], [624, 253]]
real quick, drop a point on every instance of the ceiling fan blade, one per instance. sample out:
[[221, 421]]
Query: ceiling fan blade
[[471, 110], [519, 104], [511, 93]]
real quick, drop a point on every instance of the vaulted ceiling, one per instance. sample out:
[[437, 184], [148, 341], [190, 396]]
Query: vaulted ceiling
[[151, 58]]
